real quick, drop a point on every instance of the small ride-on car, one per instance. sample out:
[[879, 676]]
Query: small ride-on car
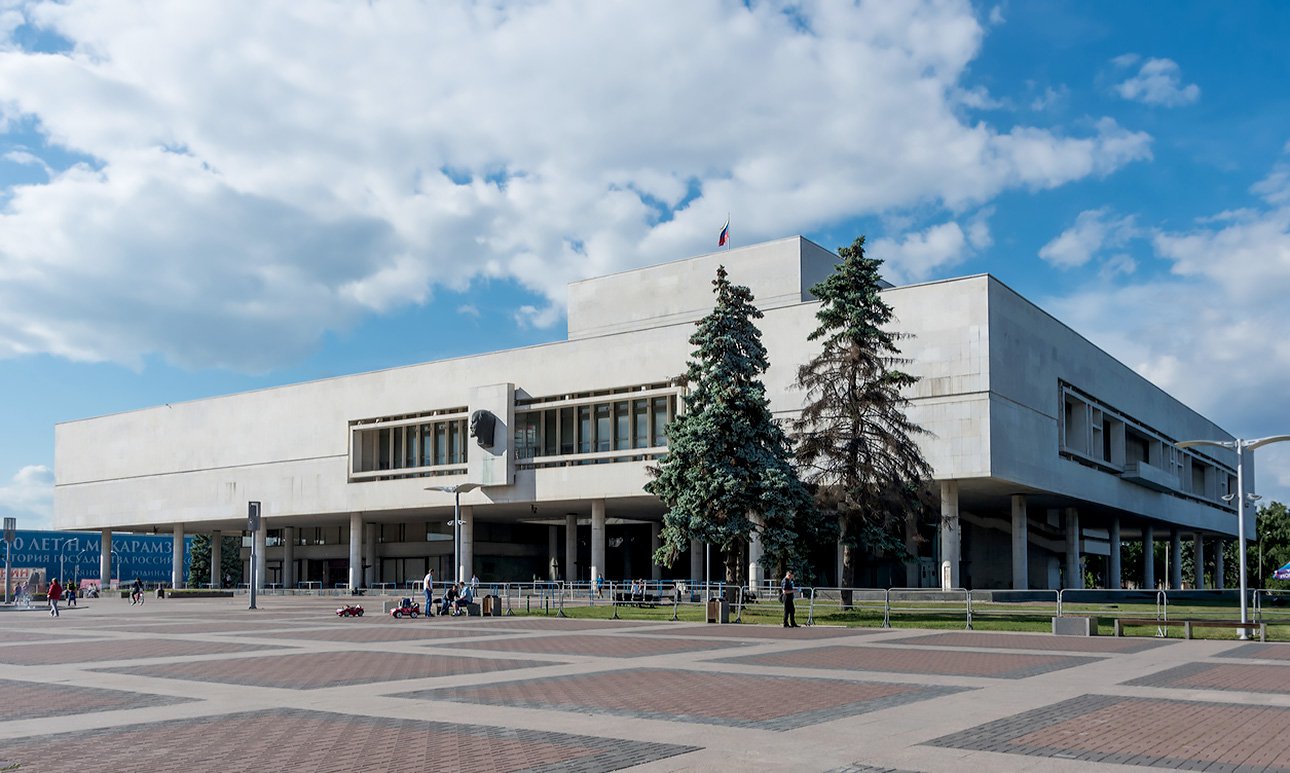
[[350, 610], [406, 607]]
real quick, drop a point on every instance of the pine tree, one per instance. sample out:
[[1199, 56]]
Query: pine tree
[[199, 569], [728, 472], [855, 442]]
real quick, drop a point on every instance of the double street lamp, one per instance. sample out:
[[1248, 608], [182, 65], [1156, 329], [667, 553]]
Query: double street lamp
[[1240, 446], [456, 490]]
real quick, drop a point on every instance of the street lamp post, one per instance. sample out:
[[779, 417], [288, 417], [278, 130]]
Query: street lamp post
[[456, 490], [1240, 446]]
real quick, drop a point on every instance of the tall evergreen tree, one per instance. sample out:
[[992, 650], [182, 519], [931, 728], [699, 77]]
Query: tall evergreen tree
[[855, 443], [728, 471], [199, 569]]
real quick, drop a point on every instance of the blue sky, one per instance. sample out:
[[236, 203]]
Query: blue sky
[[197, 198]]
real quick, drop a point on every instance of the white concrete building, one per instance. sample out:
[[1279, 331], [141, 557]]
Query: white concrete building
[[1046, 450]]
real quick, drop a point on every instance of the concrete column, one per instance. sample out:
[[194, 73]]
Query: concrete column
[[1220, 582], [1020, 544], [597, 538], [217, 557], [355, 551], [696, 561], [1198, 542], [1074, 571], [1148, 558], [1114, 570], [369, 554], [289, 557], [754, 558], [261, 553], [950, 534], [467, 542], [105, 558], [177, 558], [655, 542], [571, 546], [1175, 553], [552, 552]]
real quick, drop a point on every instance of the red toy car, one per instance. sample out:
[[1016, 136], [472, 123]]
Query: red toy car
[[350, 610], [406, 607]]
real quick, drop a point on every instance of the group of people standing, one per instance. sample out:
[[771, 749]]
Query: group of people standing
[[457, 597]]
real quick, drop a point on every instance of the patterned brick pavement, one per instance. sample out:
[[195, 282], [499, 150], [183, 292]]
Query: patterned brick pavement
[[1220, 676], [24, 636], [33, 700], [1259, 651], [778, 633], [544, 623], [372, 633], [296, 740], [735, 700], [988, 664], [603, 646], [89, 651], [311, 671], [1023, 641], [1185, 735]]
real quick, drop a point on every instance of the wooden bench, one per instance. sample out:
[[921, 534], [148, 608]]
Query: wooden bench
[[1188, 624], [1262, 628], [1120, 622]]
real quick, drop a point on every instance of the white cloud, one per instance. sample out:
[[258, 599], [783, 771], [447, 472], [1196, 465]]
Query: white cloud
[[915, 256], [1157, 82], [257, 178], [468, 310], [29, 497], [1094, 229]]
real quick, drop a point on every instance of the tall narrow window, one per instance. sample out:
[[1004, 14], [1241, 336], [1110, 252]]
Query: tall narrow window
[[604, 430], [640, 417], [441, 442], [660, 421], [427, 445], [622, 425], [549, 433], [584, 429], [383, 448], [568, 433]]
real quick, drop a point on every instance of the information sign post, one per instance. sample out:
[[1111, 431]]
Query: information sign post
[[253, 526], [10, 533]]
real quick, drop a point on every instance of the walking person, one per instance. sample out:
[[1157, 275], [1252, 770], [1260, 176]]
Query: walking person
[[787, 590], [55, 595]]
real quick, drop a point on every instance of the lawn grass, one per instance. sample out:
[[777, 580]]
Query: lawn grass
[[986, 616]]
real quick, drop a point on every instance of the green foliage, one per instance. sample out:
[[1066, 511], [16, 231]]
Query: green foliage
[[728, 471], [854, 440], [199, 568]]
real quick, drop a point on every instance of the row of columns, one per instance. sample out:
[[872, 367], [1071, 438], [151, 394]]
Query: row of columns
[[951, 545]]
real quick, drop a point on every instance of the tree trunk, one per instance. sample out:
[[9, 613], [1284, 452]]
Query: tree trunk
[[848, 580]]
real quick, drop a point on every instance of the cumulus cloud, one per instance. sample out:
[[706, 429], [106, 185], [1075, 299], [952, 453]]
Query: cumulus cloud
[[1094, 230], [917, 255], [29, 497], [248, 181], [1157, 82]]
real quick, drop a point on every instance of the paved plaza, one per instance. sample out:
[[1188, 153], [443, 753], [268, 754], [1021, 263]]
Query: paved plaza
[[208, 685]]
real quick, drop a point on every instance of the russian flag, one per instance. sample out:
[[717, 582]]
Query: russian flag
[[725, 234]]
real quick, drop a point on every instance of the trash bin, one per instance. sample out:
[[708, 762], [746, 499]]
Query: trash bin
[[497, 605], [718, 610], [486, 606]]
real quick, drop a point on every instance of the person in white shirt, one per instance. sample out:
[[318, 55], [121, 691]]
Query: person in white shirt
[[428, 582]]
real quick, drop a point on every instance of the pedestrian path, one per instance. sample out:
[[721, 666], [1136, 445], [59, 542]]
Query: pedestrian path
[[208, 685]]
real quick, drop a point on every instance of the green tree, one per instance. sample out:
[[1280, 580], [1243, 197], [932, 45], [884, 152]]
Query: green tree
[[855, 442], [199, 570], [728, 472]]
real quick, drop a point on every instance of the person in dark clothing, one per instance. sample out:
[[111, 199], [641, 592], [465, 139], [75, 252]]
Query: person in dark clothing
[[787, 590]]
